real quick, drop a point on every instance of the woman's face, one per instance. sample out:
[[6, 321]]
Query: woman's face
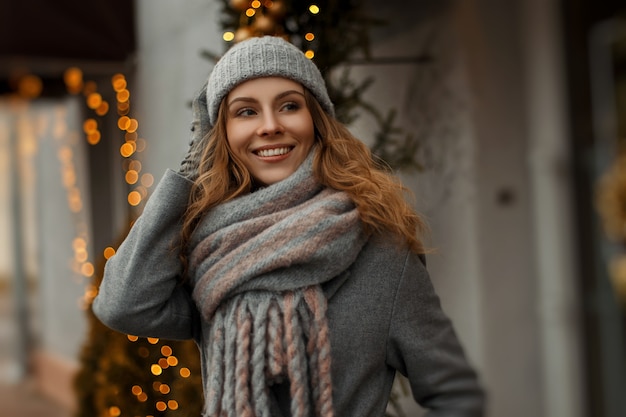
[[269, 127]]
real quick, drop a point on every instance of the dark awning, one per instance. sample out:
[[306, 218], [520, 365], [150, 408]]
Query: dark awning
[[99, 30]]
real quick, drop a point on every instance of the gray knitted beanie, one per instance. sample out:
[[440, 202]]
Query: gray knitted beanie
[[263, 57]]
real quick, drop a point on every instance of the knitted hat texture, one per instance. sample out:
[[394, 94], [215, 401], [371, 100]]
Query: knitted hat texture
[[267, 56]]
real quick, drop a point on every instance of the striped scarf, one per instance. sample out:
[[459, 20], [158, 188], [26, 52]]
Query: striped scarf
[[257, 265]]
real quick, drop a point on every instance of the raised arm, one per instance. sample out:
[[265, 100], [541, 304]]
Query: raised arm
[[140, 293]]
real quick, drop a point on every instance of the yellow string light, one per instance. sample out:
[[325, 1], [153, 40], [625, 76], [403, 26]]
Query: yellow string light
[[163, 363], [126, 149], [143, 352], [69, 176], [228, 36], [123, 96], [94, 100], [156, 370], [108, 252], [132, 126], [131, 177], [123, 122], [80, 262], [90, 293], [73, 78], [102, 109], [123, 108], [89, 87], [147, 180], [87, 269], [81, 255], [90, 125], [142, 191], [314, 9], [93, 138], [134, 198], [29, 86], [141, 144], [118, 81]]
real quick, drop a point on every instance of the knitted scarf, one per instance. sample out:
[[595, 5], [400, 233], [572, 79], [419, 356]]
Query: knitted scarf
[[257, 264]]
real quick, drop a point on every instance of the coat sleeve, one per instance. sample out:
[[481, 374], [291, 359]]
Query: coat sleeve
[[140, 293], [424, 347]]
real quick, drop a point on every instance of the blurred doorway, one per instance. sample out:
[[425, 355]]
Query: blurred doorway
[[595, 41]]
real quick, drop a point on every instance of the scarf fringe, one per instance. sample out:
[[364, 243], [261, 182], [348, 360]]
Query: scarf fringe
[[261, 346]]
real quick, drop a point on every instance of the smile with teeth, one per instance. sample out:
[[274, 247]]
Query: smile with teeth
[[273, 152]]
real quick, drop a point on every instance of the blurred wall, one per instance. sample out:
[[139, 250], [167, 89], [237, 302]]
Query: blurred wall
[[49, 209], [170, 69], [63, 232], [64, 237], [5, 206]]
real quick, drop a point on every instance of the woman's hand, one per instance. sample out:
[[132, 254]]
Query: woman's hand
[[199, 129]]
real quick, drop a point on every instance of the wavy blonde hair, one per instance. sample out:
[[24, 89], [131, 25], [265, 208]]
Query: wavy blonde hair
[[341, 162]]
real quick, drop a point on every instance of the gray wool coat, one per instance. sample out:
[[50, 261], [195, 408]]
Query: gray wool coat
[[384, 316]]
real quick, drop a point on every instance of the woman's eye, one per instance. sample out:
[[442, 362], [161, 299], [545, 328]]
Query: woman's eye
[[291, 106], [245, 112]]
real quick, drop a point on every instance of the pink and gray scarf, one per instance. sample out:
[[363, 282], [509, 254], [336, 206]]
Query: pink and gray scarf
[[257, 265]]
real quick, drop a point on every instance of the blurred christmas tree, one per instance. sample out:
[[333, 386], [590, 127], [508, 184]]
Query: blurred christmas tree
[[124, 375]]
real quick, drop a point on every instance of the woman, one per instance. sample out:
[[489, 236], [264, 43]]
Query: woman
[[289, 255]]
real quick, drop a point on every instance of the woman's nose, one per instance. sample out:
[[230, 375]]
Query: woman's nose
[[270, 125]]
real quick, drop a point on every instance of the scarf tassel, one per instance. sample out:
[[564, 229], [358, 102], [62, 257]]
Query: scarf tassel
[[275, 337]]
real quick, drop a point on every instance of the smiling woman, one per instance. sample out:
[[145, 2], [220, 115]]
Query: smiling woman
[[269, 127], [297, 266]]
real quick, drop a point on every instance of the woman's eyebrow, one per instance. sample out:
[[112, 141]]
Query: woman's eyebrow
[[244, 99], [278, 96], [288, 92]]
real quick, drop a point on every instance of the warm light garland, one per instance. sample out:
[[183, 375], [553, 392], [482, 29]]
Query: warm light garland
[[80, 263], [75, 84], [140, 182], [263, 18]]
